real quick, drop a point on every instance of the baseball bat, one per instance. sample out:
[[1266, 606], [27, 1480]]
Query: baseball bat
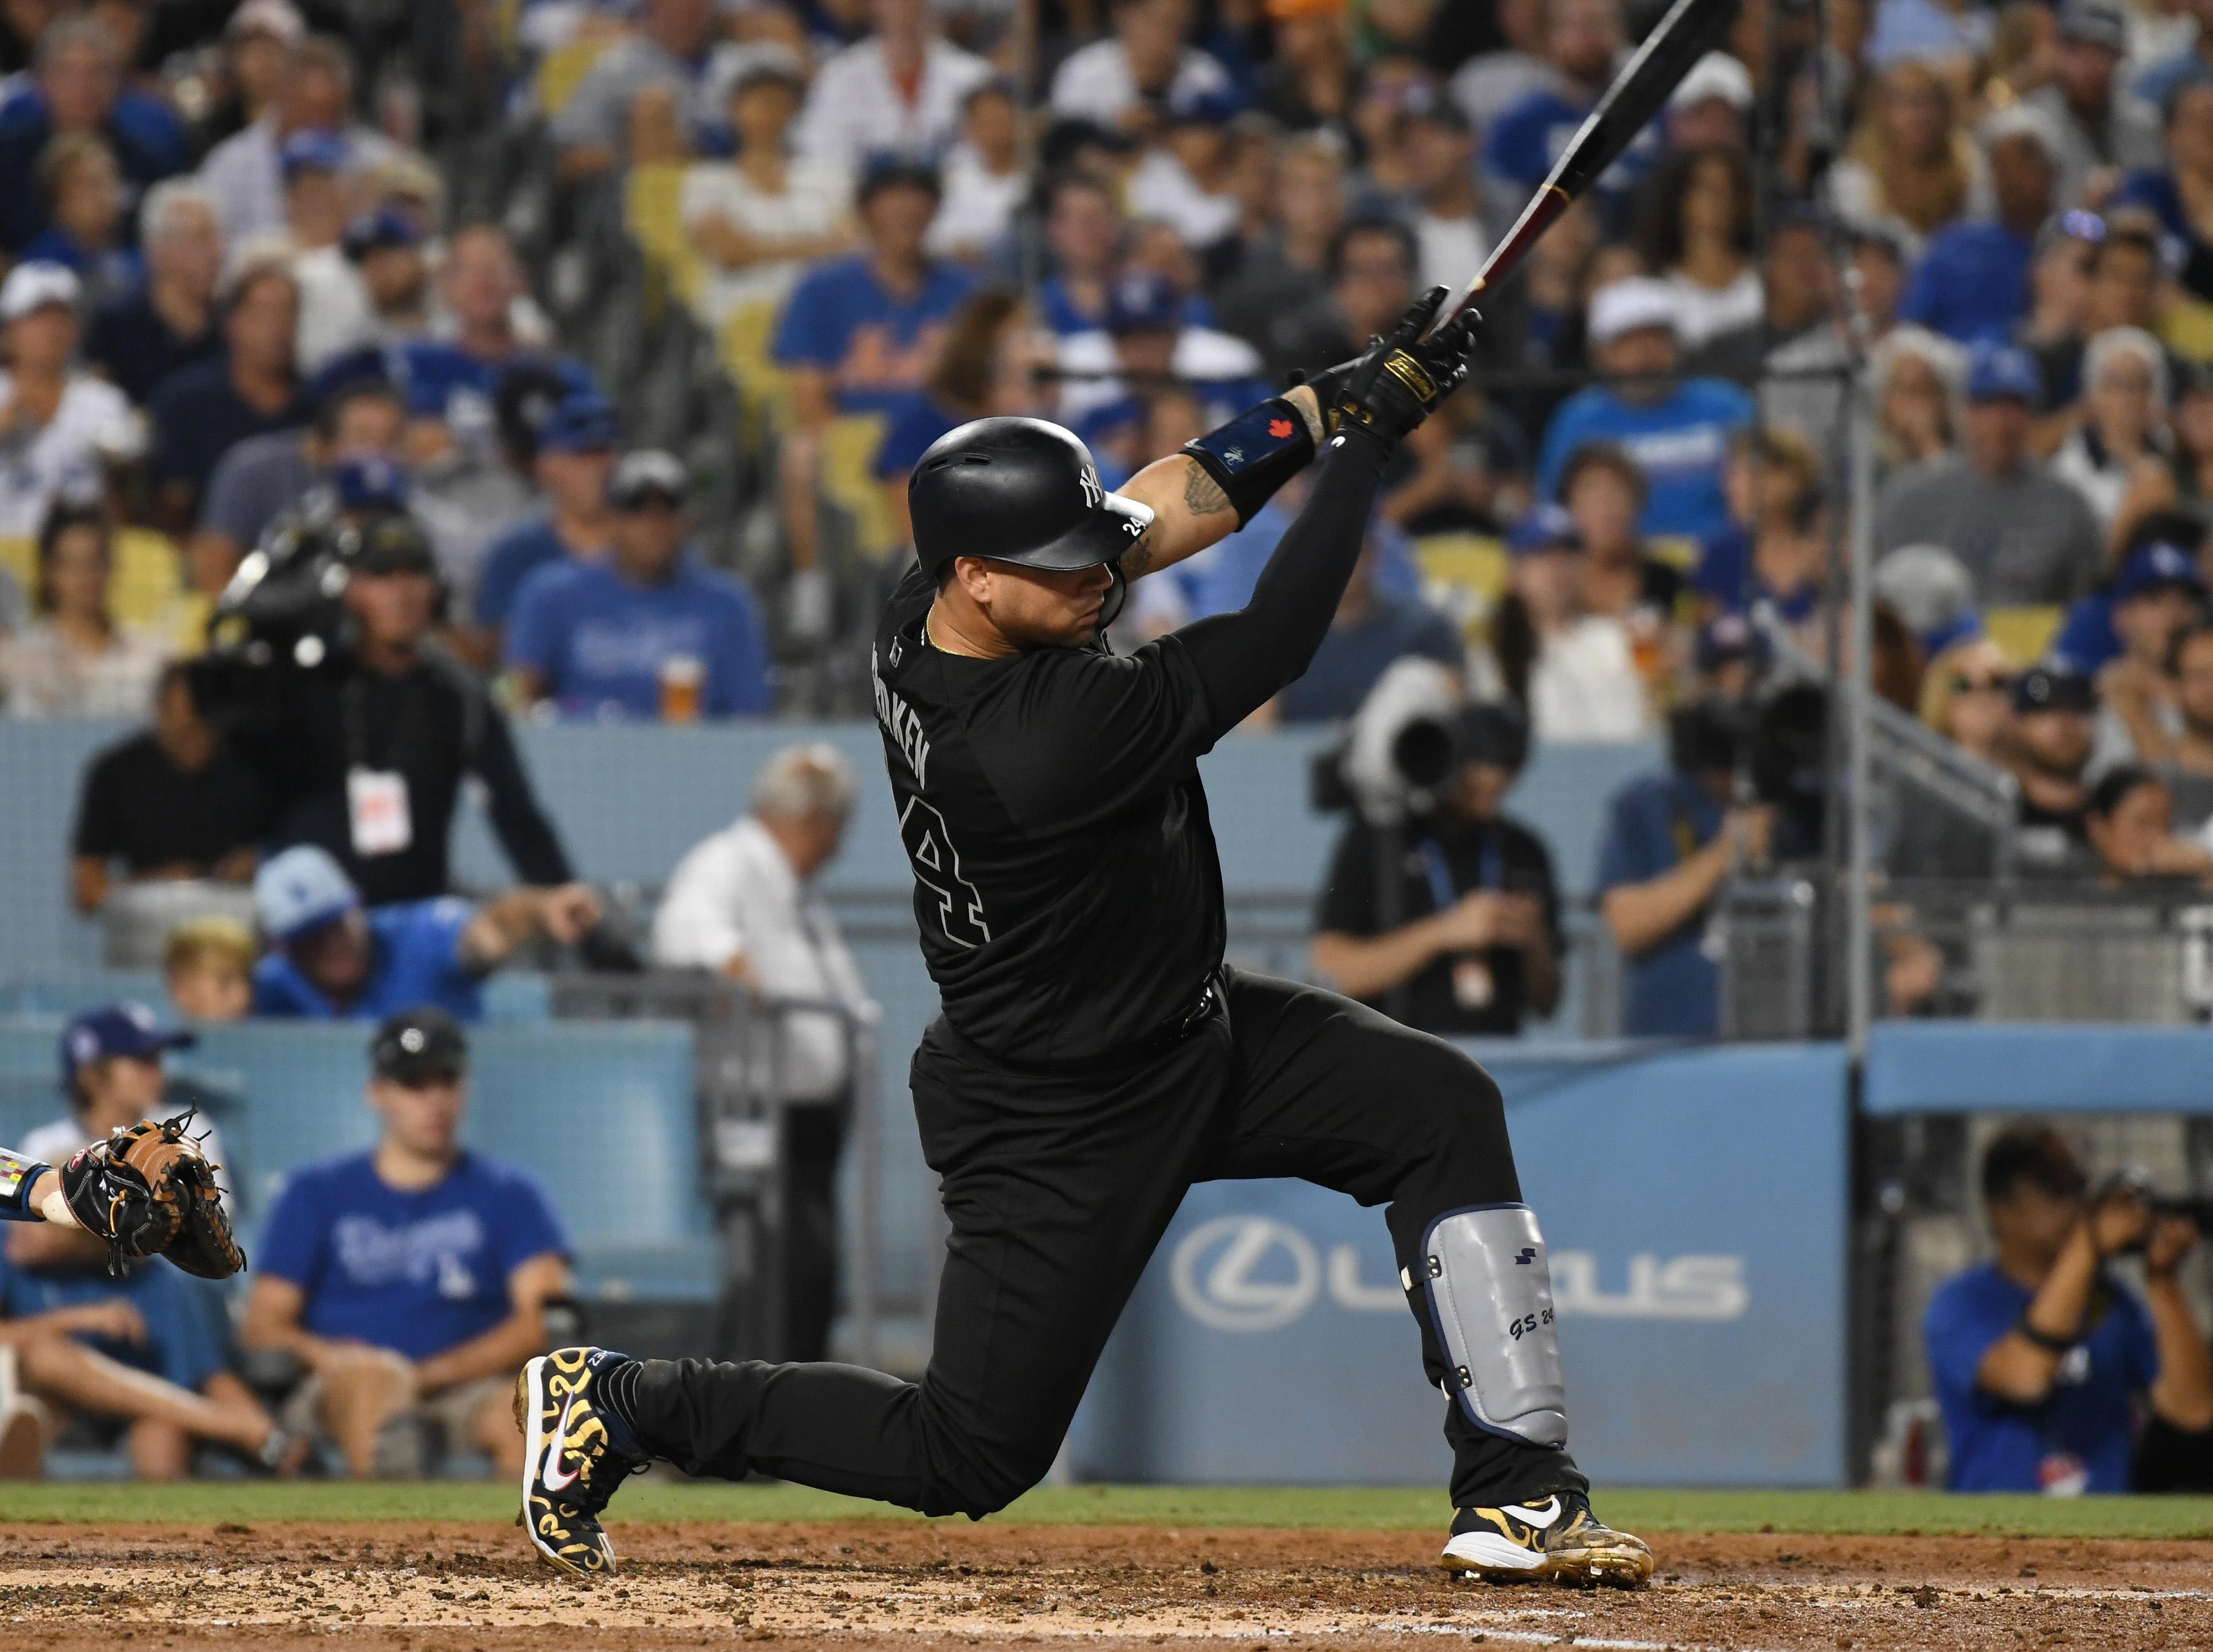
[[1638, 92]]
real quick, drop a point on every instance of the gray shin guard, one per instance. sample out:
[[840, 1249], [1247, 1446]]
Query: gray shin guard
[[1490, 1294]]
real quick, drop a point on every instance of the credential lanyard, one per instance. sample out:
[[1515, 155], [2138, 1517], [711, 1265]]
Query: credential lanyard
[[1491, 872]]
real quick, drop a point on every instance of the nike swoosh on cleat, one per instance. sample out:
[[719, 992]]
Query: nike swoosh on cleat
[[1529, 1516], [554, 1479]]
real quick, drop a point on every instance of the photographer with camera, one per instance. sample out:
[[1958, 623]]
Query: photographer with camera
[[360, 725], [1671, 839], [2040, 1355], [1480, 946]]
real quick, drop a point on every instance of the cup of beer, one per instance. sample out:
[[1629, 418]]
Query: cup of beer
[[682, 677]]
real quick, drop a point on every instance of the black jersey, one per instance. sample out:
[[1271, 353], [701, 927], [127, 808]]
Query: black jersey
[[1066, 882]]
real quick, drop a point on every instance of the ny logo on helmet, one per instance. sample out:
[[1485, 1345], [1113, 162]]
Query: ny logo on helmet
[[1093, 495]]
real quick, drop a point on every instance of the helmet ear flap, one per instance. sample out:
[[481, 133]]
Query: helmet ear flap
[[1117, 593]]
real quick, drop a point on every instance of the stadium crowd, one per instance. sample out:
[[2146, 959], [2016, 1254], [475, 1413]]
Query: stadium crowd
[[243, 312]]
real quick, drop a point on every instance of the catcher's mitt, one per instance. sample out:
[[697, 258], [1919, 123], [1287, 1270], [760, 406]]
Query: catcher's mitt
[[148, 1191]]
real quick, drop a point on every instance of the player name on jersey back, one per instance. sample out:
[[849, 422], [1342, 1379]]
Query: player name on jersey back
[[1067, 895], [902, 723]]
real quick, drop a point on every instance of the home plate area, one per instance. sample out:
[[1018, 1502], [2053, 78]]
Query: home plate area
[[472, 1585]]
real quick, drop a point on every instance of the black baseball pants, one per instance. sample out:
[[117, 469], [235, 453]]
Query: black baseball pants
[[1058, 1188]]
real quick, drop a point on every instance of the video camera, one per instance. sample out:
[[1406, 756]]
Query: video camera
[[2197, 1208], [1774, 744], [1410, 738], [284, 611]]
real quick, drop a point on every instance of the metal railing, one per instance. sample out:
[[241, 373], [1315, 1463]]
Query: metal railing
[[743, 1045], [1986, 950]]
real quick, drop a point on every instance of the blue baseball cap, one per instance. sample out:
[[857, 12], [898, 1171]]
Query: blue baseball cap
[[1203, 106], [1547, 527], [117, 1029], [1143, 301], [2158, 567], [369, 481], [315, 150], [301, 889], [584, 422], [377, 229], [2001, 373], [1728, 637]]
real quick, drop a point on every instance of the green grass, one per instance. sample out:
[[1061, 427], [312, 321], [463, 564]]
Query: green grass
[[1374, 1508]]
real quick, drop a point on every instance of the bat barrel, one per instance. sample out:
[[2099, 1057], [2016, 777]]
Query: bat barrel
[[1638, 93]]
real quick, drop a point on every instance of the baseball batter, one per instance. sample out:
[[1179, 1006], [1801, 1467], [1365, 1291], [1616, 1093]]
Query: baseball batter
[[1096, 1057]]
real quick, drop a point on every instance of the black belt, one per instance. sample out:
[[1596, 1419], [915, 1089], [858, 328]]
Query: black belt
[[1157, 1042]]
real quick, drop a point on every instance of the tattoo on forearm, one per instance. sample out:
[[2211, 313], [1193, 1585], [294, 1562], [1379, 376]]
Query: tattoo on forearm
[[1202, 494], [1139, 557]]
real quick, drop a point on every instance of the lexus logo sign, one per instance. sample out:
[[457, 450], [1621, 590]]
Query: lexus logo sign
[[1251, 1273], [1229, 1273]]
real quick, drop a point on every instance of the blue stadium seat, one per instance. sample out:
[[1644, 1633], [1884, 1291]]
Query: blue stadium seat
[[67, 994], [602, 1112]]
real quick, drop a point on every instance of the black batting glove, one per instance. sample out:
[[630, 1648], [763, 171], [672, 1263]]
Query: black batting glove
[[1403, 378]]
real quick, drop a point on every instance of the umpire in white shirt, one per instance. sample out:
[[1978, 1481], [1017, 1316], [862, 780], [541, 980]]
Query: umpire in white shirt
[[742, 904]]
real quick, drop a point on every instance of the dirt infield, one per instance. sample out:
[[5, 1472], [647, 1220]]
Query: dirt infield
[[872, 1584]]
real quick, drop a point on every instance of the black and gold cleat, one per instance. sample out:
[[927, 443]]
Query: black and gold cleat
[[1556, 1538], [577, 1451]]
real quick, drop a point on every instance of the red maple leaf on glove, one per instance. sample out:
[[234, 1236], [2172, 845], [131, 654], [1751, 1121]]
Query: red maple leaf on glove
[[1279, 428]]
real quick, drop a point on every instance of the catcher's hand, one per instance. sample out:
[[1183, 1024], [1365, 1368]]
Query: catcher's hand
[[148, 1191]]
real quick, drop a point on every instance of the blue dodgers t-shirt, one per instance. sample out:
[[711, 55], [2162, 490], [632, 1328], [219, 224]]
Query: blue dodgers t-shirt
[[1529, 135], [876, 346], [599, 641], [182, 1345], [418, 1270], [2087, 640], [443, 381], [2080, 1435], [1972, 284], [1680, 442], [417, 960], [911, 433], [1653, 826], [514, 554]]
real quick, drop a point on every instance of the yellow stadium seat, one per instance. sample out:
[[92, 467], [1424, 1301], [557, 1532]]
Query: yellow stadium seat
[[1474, 562], [2187, 328], [563, 69], [145, 579], [748, 333], [652, 200], [148, 576], [848, 460], [2022, 634]]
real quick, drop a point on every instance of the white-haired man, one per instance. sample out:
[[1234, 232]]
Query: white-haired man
[[139, 338], [743, 905]]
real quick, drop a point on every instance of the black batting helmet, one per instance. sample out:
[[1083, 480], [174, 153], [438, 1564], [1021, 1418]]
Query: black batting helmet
[[1019, 490]]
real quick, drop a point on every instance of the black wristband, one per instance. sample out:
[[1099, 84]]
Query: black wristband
[[2045, 1339], [1255, 454]]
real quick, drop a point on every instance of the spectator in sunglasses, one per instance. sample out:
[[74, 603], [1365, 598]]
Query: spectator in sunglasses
[[1965, 694]]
